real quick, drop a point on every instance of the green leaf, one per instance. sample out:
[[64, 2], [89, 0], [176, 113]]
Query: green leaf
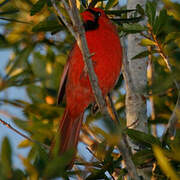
[[142, 157], [143, 54], [49, 24], [142, 138], [39, 65], [9, 12], [151, 12], [132, 28], [111, 3], [172, 36], [37, 7], [56, 167], [160, 22], [16, 66], [21, 123], [25, 143], [49, 4], [6, 156], [32, 171], [164, 163], [36, 93], [147, 42]]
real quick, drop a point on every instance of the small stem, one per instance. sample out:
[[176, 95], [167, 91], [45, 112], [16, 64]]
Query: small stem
[[23, 135], [150, 72], [112, 109], [162, 54], [69, 26]]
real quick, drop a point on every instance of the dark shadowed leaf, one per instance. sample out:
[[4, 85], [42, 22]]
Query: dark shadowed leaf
[[160, 22], [143, 157], [36, 93], [37, 7], [49, 24], [56, 167], [142, 138], [151, 12], [9, 12], [143, 54], [6, 156]]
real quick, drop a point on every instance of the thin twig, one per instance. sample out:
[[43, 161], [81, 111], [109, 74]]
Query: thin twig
[[68, 10], [162, 54], [171, 126], [69, 26], [14, 20], [150, 81], [81, 40], [112, 109], [23, 135], [88, 130]]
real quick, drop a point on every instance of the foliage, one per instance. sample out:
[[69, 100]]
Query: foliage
[[40, 44]]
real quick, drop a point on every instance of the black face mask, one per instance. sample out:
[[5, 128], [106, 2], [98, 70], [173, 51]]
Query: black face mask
[[92, 25]]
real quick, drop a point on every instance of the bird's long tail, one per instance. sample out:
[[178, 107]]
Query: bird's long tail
[[69, 130]]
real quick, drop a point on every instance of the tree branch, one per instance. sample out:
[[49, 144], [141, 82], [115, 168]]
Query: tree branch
[[69, 26], [23, 135]]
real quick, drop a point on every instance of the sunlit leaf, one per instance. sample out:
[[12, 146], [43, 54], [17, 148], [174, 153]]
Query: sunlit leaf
[[111, 3], [147, 42], [164, 163], [23, 144], [29, 168]]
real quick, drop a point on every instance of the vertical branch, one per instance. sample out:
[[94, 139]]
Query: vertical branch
[[135, 76], [81, 40], [135, 101], [150, 73]]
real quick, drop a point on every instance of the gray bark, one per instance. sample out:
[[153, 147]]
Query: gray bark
[[135, 101], [135, 75]]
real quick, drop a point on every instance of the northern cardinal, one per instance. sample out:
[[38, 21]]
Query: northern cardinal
[[103, 42]]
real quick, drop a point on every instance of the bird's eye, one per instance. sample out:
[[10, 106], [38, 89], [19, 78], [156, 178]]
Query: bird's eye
[[98, 13]]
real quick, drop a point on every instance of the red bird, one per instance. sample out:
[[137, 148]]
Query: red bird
[[103, 41]]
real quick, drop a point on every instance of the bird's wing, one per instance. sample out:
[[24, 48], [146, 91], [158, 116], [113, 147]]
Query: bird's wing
[[62, 85]]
